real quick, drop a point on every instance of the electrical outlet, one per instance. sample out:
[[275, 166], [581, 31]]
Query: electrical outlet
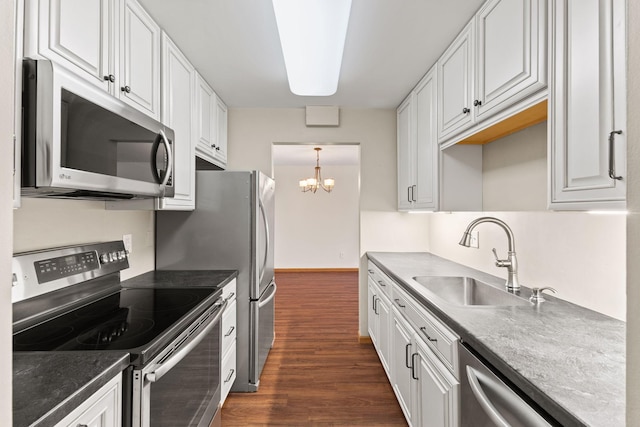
[[341, 255], [474, 241], [127, 239]]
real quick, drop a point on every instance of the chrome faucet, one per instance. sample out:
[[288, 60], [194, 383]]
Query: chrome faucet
[[511, 263]]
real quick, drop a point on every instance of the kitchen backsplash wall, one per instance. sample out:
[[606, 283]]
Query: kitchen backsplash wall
[[47, 223], [581, 255]]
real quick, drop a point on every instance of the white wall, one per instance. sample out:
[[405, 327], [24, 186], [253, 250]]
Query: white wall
[[252, 131], [44, 223], [317, 230], [514, 171], [6, 203], [633, 220]]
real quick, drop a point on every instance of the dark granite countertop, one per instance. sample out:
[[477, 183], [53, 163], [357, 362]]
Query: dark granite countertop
[[47, 386], [181, 278], [568, 359]]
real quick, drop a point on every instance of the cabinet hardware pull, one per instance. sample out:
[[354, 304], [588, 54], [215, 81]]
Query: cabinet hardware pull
[[231, 295], [413, 193], [424, 331], [406, 355], [409, 194], [612, 161], [126, 89], [381, 283], [230, 331], [465, 110], [375, 304], [110, 78], [398, 302], [371, 271], [477, 103], [229, 376], [413, 366]]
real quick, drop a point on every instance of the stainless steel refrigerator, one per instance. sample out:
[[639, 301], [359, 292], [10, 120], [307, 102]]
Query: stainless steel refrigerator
[[231, 228]]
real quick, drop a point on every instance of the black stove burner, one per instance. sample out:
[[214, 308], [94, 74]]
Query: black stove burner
[[127, 320]]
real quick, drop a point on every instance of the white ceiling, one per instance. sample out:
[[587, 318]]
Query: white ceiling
[[390, 45]]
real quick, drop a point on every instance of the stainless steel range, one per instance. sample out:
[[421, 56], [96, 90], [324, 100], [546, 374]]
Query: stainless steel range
[[71, 299]]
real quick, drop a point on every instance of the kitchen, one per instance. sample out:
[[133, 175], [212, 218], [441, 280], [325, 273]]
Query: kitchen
[[251, 133]]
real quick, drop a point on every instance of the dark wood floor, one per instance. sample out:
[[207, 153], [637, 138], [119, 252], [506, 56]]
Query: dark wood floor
[[317, 373]]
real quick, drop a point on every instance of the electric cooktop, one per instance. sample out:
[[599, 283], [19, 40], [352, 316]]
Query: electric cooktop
[[127, 320]]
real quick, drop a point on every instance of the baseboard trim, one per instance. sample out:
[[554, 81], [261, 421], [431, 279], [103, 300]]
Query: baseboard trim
[[364, 340], [316, 270]]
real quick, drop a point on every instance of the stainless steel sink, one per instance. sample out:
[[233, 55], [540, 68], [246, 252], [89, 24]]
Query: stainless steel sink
[[466, 291]]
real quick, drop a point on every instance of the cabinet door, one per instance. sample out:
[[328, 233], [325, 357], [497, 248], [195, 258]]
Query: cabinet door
[[402, 348], [140, 59], [383, 307], [426, 146], [178, 79], [79, 34], [587, 104], [372, 314], [205, 114], [455, 85], [406, 154], [511, 53], [436, 400], [102, 409], [221, 132]]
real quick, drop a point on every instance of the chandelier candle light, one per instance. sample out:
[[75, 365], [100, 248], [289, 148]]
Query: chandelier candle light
[[312, 184]]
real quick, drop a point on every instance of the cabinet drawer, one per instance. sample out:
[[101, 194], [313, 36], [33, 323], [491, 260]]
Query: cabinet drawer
[[228, 371], [433, 332], [380, 279], [229, 291], [229, 327], [103, 408]]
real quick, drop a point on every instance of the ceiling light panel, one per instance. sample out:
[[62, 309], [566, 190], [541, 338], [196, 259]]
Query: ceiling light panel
[[312, 35]]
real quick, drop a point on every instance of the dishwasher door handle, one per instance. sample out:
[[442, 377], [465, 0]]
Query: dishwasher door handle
[[483, 400]]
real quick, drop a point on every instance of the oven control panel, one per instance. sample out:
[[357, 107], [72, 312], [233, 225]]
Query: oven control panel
[[65, 266], [39, 272]]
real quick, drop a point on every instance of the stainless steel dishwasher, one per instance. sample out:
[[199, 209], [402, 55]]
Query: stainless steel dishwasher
[[486, 401]]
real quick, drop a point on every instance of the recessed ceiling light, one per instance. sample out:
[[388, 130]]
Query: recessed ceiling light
[[312, 35]]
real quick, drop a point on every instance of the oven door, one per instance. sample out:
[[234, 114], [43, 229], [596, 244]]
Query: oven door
[[181, 386]]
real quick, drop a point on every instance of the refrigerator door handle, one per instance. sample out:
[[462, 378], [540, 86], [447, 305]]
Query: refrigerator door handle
[[268, 240], [268, 299]]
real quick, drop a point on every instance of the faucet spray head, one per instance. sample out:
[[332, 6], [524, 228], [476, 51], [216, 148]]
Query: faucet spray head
[[466, 239]]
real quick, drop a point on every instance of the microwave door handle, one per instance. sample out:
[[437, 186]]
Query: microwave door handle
[[182, 353], [161, 137]]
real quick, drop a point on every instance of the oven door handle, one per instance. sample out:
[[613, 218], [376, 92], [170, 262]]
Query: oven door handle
[[182, 353]]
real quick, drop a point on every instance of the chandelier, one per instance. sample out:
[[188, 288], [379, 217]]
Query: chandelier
[[312, 184]]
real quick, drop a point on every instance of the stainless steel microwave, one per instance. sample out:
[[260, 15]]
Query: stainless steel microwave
[[80, 142]]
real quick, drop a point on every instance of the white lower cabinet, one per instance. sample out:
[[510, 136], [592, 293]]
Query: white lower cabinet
[[422, 355], [228, 345], [380, 323], [102, 409], [437, 391], [402, 372]]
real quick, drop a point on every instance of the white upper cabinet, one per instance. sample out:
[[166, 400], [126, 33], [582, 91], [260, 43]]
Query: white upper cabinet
[[211, 125], [587, 143], [493, 68], [511, 53], [80, 34], [178, 83], [455, 89], [140, 59], [418, 147], [84, 36]]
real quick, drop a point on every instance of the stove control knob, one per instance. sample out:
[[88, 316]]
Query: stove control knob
[[104, 258]]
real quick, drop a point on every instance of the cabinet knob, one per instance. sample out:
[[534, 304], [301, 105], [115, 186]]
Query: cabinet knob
[[217, 148], [465, 110], [126, 89], [110, 78], [477, 103]]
